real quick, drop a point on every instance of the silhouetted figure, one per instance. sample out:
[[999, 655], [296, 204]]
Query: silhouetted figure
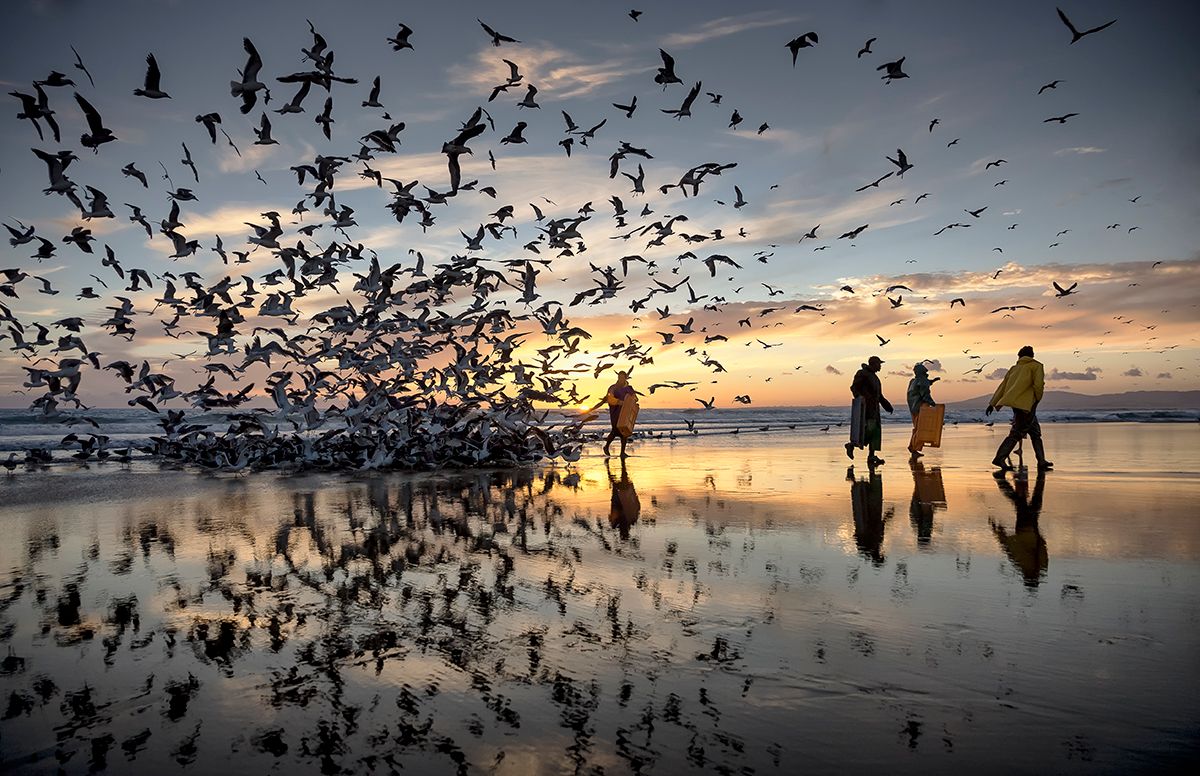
[[929, 495], [868, 393], [1021, 389], [1025, 546], [866, 499], [919, 396], [616, 394], [625, 508]]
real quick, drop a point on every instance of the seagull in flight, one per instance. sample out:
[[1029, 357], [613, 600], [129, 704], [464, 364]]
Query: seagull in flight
[[80, 66], [893, 70], [151, 88], [1076, 35], [806, 40], [900, 161], [497, 38], [875, 183]]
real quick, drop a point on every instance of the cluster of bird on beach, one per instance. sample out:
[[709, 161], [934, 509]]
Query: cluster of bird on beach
[[419, 362]]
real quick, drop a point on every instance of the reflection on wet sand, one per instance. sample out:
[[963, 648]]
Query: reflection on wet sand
[[866, 499], [625, 507], [737, 611], [929, 495], [1024, 545]]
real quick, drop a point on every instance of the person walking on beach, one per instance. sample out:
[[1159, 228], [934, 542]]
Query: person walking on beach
[[918, 397], [617, 393], [866, 386], [1021, 389]]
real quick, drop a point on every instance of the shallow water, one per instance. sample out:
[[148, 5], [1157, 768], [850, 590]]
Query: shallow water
[[736, 604]]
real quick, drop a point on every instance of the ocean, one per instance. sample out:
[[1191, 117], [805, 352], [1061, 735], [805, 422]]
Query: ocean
[[22, 429]]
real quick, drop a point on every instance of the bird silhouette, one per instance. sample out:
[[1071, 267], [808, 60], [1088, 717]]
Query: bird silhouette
[[1076, 35], [152, 87], [496, 37], [666, 73], [893, 69], [801, 41]]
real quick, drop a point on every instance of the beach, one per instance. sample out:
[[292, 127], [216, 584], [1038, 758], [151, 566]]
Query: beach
[[726, 602]]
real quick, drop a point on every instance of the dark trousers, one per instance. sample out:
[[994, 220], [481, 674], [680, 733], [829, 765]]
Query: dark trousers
[[1025, 424]]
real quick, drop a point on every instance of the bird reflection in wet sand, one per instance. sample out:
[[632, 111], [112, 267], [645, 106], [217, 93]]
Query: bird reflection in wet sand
[[866, 498], [929, 495], [1024, 545], [625, 507]]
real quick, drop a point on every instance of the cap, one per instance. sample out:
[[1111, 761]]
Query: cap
[[874, 360]]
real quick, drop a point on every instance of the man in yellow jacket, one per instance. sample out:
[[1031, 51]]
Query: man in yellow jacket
[[1021, 389]]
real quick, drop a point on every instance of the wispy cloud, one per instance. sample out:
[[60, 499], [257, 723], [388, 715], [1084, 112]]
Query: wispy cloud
[[724, 27], [1080, 150], [557, 73], [253, 157]]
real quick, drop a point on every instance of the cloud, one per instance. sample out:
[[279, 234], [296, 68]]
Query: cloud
[[934, 365], [1133, 372], [556, 72], [997, 374], [1091, 373], [1080, 150], [833, 370], [1163, 376], [723, 27], [252, 157]]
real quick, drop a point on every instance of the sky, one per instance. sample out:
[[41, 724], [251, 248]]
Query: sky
[[1058, 208]]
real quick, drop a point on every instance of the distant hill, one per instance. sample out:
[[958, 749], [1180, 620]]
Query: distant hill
[[1130, 400]]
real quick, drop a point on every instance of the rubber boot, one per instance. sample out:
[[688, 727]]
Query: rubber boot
[[1039, 450], [1002, 453]]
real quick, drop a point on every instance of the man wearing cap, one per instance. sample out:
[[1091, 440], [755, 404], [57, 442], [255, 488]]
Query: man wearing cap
[[867, 387]]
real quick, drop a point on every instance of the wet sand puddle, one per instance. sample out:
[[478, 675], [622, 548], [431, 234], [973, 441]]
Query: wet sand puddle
[[595, 619]]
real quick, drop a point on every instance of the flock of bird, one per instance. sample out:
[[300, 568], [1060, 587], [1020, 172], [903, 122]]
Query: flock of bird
[[417, 363]]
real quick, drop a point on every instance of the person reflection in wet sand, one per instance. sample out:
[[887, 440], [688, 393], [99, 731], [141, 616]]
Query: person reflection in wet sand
[[929, 495], [866, 499], [1024, 546], [625, 507]]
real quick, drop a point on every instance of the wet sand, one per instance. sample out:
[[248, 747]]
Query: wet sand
[[736, 604]]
